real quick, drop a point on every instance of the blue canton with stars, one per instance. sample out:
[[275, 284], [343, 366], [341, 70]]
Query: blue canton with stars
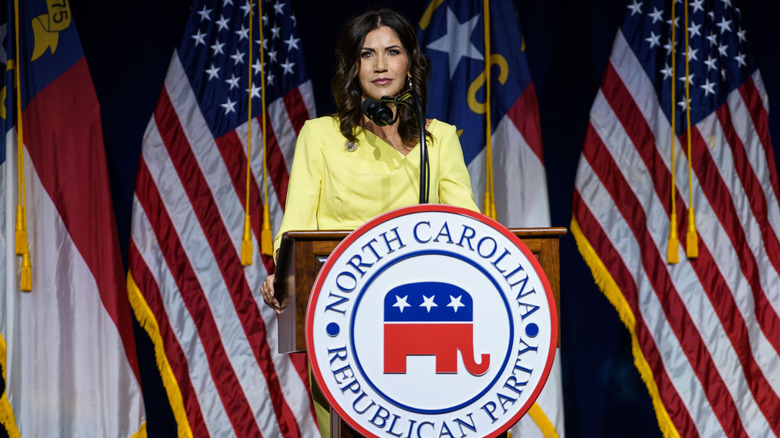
[[428, 302], [719, 58], [215, 55], [454, 40]]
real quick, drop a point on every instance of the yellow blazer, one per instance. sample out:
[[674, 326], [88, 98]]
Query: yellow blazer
[[332, 188]]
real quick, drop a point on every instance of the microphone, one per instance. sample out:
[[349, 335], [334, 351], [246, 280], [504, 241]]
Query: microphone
[[379, 113]]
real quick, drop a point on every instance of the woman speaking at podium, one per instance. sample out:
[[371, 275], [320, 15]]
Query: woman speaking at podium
[[349, 168], [353, 166]]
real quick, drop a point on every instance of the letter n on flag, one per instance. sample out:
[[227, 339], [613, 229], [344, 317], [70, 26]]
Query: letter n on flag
[[67, 351], [215, 340], [705, 329], [452, 34]]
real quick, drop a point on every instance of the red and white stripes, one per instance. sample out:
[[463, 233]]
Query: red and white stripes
[[707, 329], [218, 336]]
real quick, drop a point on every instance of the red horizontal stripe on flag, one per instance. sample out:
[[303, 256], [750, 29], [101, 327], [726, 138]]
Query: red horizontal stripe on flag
[[296, 109], [673, 307], [223, 375], [205, 209], [614, 263], [66, 147], [752, 99], [173, 352], [277, 169], [525, 115]]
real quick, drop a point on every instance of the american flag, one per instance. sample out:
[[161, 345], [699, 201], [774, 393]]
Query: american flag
[[705, 331], [452, 36], [215, 339]]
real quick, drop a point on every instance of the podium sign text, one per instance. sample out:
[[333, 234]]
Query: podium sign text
[[431, 321]]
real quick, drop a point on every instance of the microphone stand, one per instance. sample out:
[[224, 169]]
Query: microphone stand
[[416, 105]]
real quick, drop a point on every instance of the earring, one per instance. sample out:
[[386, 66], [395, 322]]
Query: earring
[[409, 81]]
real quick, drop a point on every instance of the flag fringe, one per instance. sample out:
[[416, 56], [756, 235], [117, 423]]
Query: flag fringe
[[141, 432], [541, 420], [147, 320], [7, 418], [610, 289]]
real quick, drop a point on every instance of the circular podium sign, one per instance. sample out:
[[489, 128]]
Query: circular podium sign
[[431, 321]]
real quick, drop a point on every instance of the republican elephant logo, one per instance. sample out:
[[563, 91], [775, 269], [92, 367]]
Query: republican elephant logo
[[430, 319]]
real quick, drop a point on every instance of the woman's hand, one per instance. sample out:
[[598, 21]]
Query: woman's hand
[[267, 290]]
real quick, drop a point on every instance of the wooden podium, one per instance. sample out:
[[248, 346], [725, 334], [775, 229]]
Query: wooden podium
[[303, 253]]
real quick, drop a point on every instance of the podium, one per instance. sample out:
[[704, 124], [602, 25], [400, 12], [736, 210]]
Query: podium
[[302, 254]]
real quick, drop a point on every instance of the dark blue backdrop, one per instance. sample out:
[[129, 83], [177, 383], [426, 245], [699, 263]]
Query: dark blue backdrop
[[128, 47]]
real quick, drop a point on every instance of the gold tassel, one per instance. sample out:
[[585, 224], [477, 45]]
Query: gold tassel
[[692, 237], [672, 256], [26, 277], [246, 243], [266, 237], [21, 231]]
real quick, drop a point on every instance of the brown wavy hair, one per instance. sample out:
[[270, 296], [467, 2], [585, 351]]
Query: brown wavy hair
[[346, 85]]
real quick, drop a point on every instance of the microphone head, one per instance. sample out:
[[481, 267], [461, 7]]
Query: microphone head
[[379, 113]]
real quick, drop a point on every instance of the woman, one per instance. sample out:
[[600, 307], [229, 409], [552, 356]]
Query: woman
[[348, 170]]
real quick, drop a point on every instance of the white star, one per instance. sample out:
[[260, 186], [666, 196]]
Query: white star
[[457, 41], [233, 81], [279, 7], [230, 106], [242, 33], [275, 31], [656, 14], [455, 303], [270, 78], [401, 303], [723, 73], [711, 63], [213, 72], [668, 46], [255, 91], [272, 55], [713, 38], [428, 303], [217, 48], [741, 34], [288, 67], [712, 15], [292, 43], [653, 39], [722, 49], [693, 30], [257, 66], [666, 71], [246, 8], [200, 38], [683, 104], [265, 19], [740, 58], [696, 5], [724, 25], [692, 54], [708, 87], [294, 20], [204, 14], [227, 2], [676, 22], [238, 57], [635, 8], [690, 78], [726, 3], [222, 23]]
